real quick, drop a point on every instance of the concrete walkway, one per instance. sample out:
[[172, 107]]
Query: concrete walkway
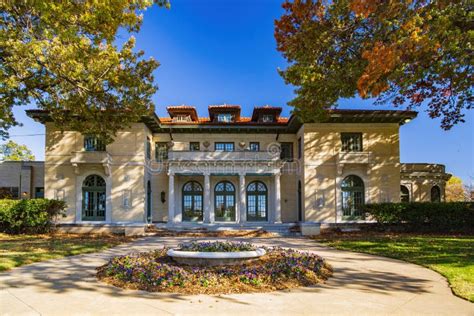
[[361, 285]]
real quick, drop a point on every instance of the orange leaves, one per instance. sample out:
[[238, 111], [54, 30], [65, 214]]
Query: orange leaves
[[364, 7], [381, 61]]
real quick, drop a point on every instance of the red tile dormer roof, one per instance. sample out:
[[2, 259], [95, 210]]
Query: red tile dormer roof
[[224, 108], [176, 110], [267, 109]]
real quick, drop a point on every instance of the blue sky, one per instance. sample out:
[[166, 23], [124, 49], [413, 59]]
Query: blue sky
[[214, 52]]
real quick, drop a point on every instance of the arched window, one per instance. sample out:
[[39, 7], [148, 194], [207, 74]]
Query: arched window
[[404, 194], [93, 198], [257, 201], [192, 202], [352, 188], [224, 202], [435, 194]]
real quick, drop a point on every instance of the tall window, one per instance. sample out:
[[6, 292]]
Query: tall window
[[404, 194], [224, 146], [352, 196], [93, 143], [194, 146], [148, 148], [148, 201], [225, 118], [254, 146], [300, 148], [161, 151], [257, 201], [192, 202], [224, 201], [286, 152], [300, 203], [93, 198], [351, 141], [435, 194]]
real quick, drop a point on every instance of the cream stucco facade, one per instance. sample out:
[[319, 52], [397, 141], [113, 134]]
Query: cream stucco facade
[[227, 169]]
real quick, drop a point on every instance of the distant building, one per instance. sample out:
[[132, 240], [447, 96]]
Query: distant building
[[21, 179]]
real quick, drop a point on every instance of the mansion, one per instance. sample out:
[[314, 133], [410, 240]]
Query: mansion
[[230, 170]]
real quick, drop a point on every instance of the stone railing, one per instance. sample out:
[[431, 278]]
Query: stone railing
[[223, 156], [94, 157], [354, 157]]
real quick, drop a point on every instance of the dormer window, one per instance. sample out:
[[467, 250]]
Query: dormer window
[[266, 114], [225, 118], [182, 118], [267, 118]]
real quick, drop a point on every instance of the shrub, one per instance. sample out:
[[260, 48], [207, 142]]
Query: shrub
[[29, 216], [444, 216]]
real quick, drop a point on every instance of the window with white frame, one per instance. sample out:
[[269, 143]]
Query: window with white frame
[[161, 151], [267, 118], [225, 118], [351, 142], [182, 118]]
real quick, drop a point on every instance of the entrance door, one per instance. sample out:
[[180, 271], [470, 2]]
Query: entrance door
[[224, 202], [192, 202], [93, 198], [257, 202]]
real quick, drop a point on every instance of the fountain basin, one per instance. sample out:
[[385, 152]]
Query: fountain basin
[[204, 258]]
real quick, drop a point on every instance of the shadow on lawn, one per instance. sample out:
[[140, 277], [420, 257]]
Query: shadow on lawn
[[78, 273]]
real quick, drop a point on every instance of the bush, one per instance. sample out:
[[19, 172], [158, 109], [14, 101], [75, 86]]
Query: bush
[[29, 216], [444, 216]]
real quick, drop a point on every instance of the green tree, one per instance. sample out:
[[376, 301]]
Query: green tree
[[15, 152], [407, 53], [63, 56], [455, 190]]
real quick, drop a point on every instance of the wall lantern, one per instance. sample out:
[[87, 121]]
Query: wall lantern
[[163, 199]]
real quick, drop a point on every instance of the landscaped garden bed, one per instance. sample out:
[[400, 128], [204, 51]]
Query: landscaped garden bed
[[155, 271]]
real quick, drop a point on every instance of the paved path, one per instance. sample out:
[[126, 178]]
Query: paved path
[[361, 285]]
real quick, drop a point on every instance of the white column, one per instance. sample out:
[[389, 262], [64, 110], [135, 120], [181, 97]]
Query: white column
[[171, 212], [243, 199], [208, 217], [277, 189]]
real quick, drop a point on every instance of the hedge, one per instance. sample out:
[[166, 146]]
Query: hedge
[[29, 216], [443, 216]]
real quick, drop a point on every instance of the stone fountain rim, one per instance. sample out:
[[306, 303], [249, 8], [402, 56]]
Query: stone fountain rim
[[217, 254]]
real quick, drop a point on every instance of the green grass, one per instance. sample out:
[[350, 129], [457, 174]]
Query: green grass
[[18, 250], [452, 256]]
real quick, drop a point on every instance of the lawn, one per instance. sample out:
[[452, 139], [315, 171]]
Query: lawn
[[18, 250], [452, 256]]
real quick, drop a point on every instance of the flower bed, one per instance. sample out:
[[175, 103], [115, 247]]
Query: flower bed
[[216, 246], [156, 272]]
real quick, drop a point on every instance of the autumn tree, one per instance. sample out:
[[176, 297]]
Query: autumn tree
[[455, 190], [12, 151], [64, 57], [405, 53]]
